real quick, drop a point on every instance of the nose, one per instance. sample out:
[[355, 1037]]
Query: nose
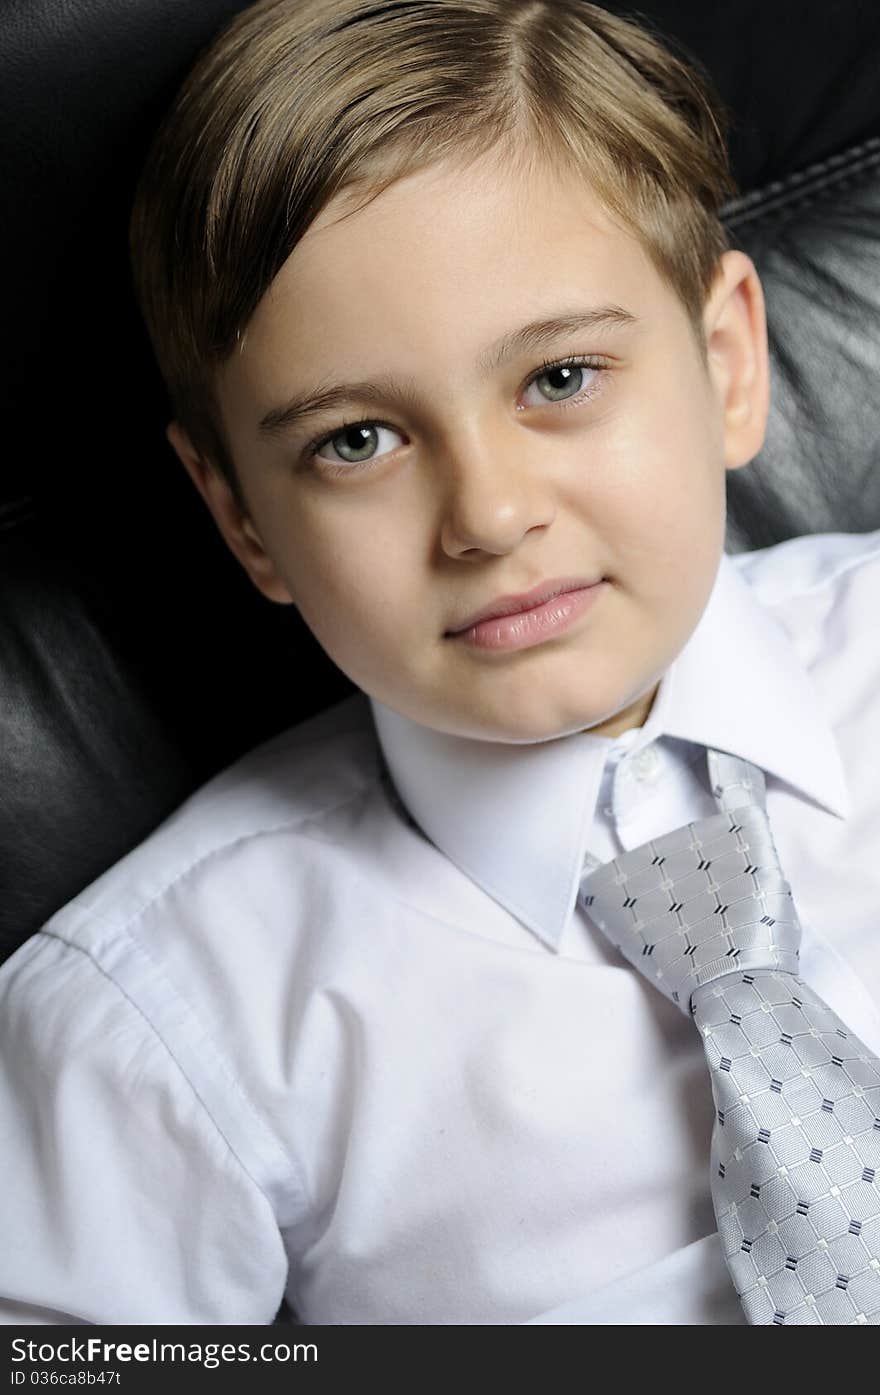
[[494, 493]]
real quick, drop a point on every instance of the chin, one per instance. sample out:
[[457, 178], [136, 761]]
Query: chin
[[529, 729]]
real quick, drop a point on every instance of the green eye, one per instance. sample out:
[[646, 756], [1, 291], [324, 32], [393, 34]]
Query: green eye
[[355, 443], [564, 380]]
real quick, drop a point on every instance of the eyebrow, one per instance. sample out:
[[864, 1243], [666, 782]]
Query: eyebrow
[[377, 390]]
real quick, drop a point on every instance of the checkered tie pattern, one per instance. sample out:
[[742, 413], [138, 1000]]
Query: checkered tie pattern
[[705, 913]]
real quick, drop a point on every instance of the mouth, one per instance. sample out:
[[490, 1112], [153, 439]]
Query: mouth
[[519, 622], [528, 600]]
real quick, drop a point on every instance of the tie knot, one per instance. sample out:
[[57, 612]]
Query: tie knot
[[703, 901]]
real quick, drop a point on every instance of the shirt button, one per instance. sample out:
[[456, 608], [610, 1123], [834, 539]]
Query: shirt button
[[646, 765]]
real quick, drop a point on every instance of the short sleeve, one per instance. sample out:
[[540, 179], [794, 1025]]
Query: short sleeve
[[121, 1201]]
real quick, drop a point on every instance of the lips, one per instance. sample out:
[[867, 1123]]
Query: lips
[[527, 600]]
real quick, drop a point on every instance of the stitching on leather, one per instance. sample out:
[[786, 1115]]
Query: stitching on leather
[[15, 512], [804, 186]]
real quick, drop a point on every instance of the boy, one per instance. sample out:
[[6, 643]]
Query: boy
[[459, 359]]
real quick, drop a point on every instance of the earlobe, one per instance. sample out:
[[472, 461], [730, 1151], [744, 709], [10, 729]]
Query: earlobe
[[736, 342], [236, 528]]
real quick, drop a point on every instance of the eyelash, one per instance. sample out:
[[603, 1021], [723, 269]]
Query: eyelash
[[599, 365]]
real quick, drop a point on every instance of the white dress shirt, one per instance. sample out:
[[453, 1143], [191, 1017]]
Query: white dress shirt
[[296, 1042]]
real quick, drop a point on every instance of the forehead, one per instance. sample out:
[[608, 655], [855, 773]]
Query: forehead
[[438, 265]]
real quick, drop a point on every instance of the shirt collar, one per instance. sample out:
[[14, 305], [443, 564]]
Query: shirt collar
[[516, 818]]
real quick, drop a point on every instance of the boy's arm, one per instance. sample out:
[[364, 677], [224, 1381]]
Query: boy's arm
[[121, 1199]]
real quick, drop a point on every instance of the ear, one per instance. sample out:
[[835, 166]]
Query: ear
[[236, 527], [735, 324]]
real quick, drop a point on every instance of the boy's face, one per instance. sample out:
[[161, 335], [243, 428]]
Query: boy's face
[[480, 475]]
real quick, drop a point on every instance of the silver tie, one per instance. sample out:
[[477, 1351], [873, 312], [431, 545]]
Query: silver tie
[[707, 916]]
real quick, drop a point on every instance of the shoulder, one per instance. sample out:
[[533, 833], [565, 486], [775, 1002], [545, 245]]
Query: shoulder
[[291, 784], [824, 590], [164, 997], [817, 565], [173, 971]]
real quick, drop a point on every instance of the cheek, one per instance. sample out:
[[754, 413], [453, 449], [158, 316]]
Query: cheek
[[655, 494], [353, 585]]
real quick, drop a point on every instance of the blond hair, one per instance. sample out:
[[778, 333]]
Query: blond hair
[[295, 100]]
